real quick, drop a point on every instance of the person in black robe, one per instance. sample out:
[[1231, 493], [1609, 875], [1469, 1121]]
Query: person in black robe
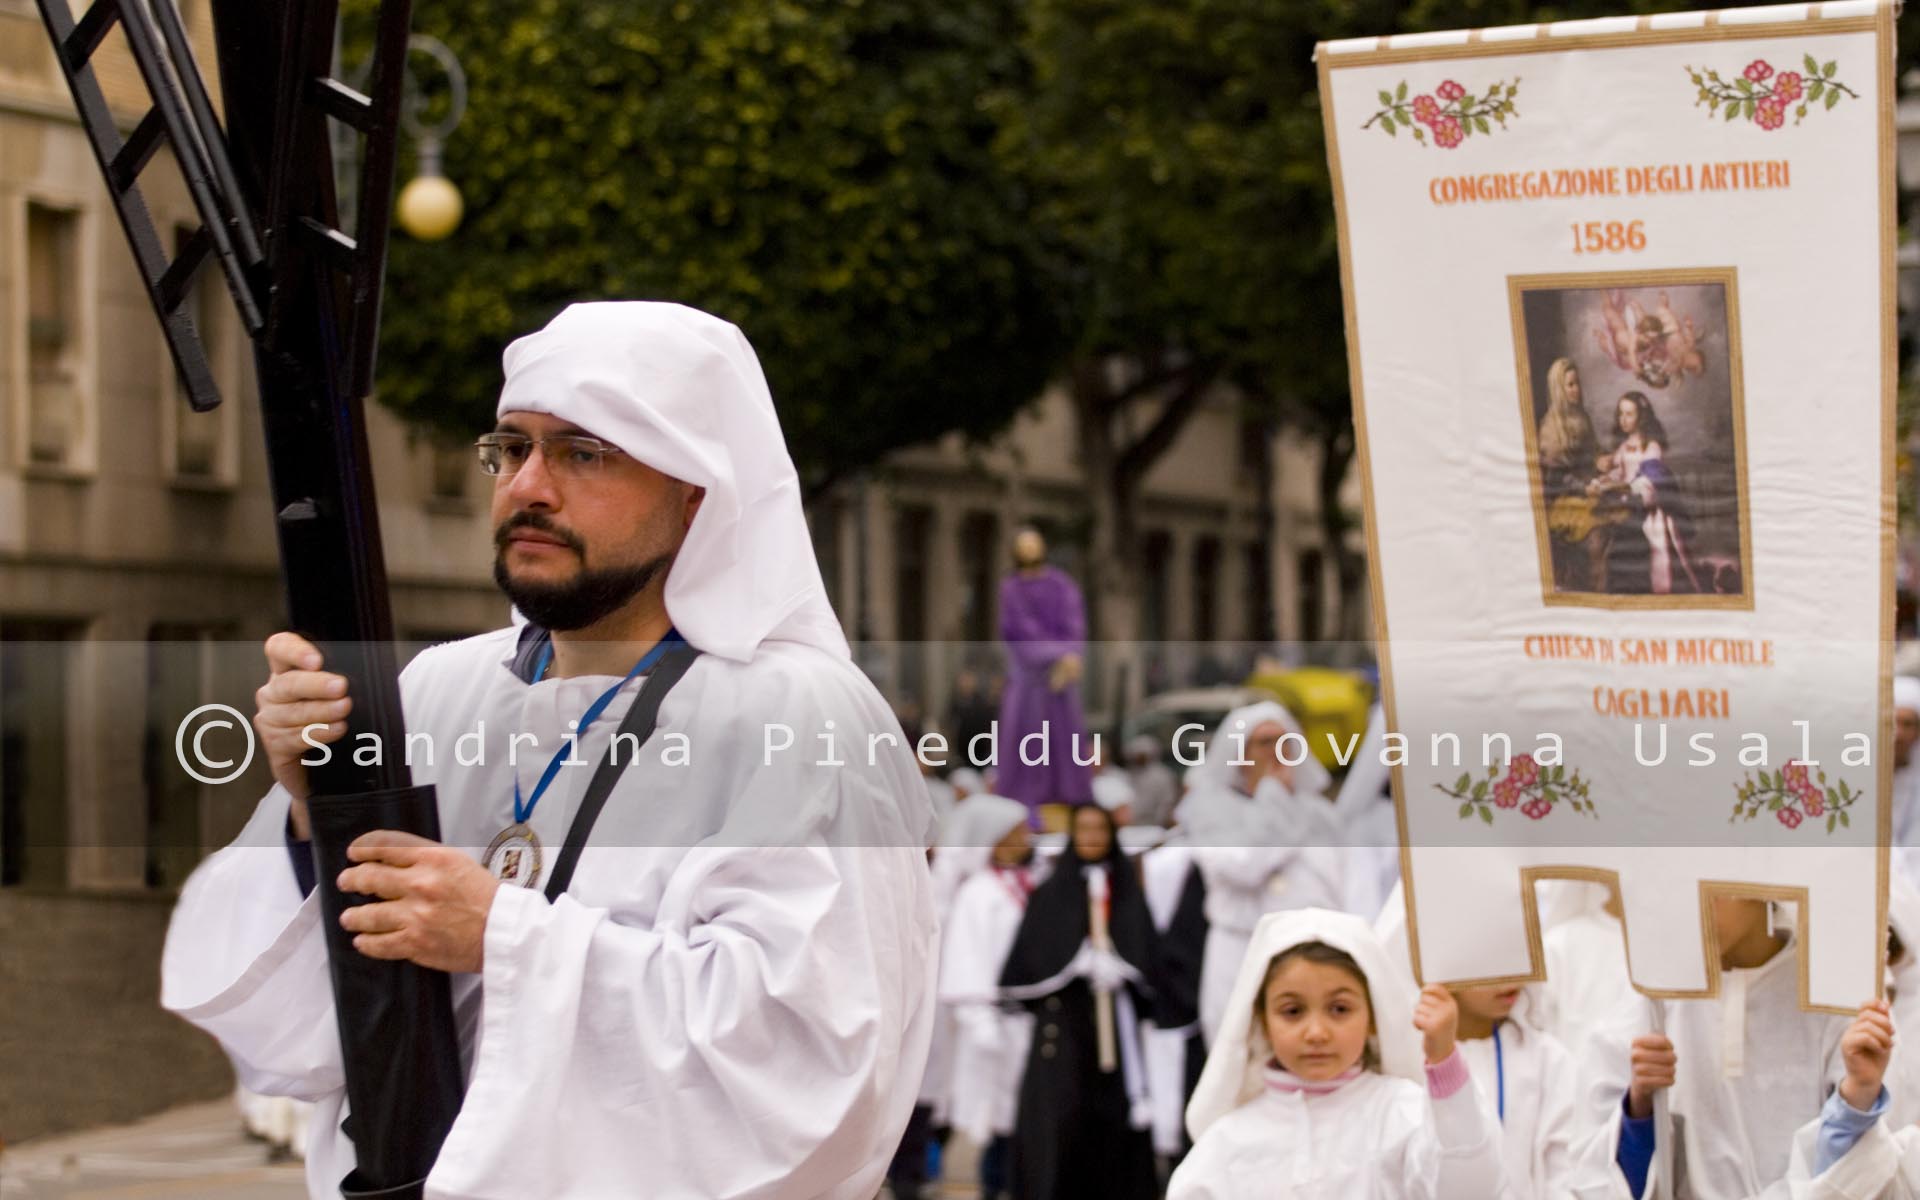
[[1081, 1131], [1177, 994]]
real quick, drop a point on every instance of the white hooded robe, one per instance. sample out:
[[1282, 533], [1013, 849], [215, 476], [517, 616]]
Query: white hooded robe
[[733, 997], [1378, 1137]]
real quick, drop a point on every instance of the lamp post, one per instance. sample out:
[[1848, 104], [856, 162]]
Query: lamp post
[[429, 206]]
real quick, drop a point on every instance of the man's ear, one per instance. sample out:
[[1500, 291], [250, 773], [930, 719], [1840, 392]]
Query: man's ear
[[693, 506]]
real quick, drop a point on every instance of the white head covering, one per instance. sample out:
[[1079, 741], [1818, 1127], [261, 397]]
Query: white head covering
[[977, 825], [1112, 789], [967, 781], [1906, 693], [1235, 731], [682, 392], [1367, 778], [1233, 1072]]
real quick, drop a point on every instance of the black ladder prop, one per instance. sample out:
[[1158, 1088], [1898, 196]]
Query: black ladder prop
[[309, 297]]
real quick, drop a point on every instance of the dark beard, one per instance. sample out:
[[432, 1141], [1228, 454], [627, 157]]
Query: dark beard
[[585, 600]]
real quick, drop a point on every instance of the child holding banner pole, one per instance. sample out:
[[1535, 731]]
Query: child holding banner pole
[[1328, 1079], [1743, 1075]]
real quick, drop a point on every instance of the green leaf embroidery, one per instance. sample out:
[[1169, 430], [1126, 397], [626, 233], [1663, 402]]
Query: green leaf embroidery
[[1828, 70], [1466, 810], [1733, 109], [1833, 97], [1486, 814], [1480, 123], [1460, 784], [1391, 131], [1814, 89], [1386, 99], [1401, 92], [1813, 68]]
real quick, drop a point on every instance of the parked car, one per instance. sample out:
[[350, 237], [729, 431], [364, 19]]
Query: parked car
[[1326, 702]]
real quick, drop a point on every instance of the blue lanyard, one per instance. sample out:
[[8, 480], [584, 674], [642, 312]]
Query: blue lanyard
[[1500, 1073], [523, 810]]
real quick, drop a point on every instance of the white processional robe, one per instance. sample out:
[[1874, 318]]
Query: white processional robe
[[1273, 851], [1379, 1137], [1753, 1070], [732, 999], [1529, 1087], [1589, 1003], [1904, 858], [990, 1040]]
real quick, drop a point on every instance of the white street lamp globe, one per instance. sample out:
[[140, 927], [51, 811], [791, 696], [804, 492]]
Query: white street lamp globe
[[430, 207]]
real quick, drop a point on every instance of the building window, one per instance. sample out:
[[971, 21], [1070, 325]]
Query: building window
[[450, 471], [1206, 588], [823, 524], [57, 404], [1156, 570], [913, 530], [979, 562], [1258, 579], [36, 661], [204, 447], [180, 677], [1313, 572]]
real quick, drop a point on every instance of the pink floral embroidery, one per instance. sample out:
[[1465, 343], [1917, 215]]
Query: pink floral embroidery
[[1446, 122], [1793, 794], [1762, 95], [1527, 785]]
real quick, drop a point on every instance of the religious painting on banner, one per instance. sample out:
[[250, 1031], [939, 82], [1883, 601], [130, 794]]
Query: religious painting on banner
[[1621, 328]]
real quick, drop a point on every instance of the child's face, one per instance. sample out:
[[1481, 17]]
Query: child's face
[[1490, 1004], [1092, 841], [1011, 850], [1317, 1018], [1737, 919]]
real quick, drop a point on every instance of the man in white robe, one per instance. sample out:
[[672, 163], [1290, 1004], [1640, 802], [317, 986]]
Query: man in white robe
[[1263, 835], [733, 996]]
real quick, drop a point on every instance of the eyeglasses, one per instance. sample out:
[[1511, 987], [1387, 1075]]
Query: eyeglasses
[[568, 455]]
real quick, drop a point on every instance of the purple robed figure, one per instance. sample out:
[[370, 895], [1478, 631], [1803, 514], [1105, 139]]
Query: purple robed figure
[[1044, 624]]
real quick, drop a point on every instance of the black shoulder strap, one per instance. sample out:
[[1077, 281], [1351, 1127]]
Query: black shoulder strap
[[640, 722]]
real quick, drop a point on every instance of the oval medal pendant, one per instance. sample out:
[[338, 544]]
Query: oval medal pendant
[[514, 855]]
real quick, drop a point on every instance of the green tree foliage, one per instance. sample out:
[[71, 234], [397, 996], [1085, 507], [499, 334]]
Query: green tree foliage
[[820, 173]]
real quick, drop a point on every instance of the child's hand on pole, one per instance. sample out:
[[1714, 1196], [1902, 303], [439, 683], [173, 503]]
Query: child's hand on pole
[[1437, 1017], [1865, 1048], [1653, 1066]]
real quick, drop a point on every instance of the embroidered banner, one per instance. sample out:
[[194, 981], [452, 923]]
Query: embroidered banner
[[1620, 316]]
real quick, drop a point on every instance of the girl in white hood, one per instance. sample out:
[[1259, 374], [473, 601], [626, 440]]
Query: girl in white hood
[[1314, 1087]]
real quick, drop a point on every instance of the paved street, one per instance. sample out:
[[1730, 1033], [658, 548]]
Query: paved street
[[195, 1152]]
